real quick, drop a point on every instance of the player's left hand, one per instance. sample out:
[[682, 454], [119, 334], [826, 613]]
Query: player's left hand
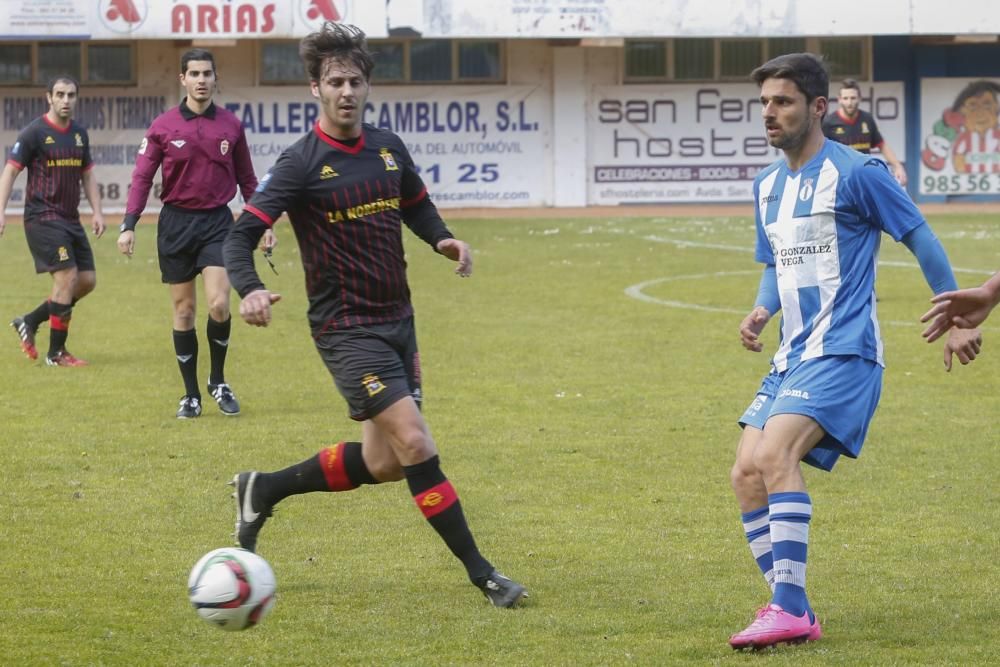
[[268, 241], [900, 173], [457, 251], [963, 343], [98, 225]]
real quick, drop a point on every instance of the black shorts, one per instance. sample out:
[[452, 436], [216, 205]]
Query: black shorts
[[373, 366], [188, 240], [59, 244]]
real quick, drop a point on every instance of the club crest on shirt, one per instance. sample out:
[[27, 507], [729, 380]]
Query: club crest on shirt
[[224, 146], [327, 172], [63, 254], [806, 191], [372, 384], [840, 130], [864, 127], [49, 139], [79, 140], [390, 161]]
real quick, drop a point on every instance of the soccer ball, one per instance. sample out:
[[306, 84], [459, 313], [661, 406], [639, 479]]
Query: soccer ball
[[232, 588]]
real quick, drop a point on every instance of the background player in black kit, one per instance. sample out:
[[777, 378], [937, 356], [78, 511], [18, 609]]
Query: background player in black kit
[[203, 151], [347, 188], [857, 128], [56, 151]]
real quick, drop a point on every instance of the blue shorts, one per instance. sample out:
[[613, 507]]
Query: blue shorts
[[839, 392]]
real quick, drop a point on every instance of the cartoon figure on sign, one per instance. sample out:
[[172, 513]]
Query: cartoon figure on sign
[[969, 131]]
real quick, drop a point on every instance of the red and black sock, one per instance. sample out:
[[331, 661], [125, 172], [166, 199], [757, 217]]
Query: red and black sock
[[59, 317], [338, 467], [186, 349], [35, 318], [218, 345], [436, 498]]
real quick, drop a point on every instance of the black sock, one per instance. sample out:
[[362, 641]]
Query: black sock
[[436, 498], [35, 318], [186, 348], [338, 467], [59, 316], [218, 345]]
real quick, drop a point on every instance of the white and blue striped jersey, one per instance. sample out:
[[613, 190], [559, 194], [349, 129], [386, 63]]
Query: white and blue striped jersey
[[820, 227]]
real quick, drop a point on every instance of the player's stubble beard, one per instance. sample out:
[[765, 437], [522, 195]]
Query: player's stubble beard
[[792, 141]]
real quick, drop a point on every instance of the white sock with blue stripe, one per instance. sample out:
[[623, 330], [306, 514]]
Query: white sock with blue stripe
[[789, 518], [757, 528]]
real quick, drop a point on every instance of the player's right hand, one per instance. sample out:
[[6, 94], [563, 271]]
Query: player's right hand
[[255, 308], [966, 309], [126, 242], [751, 326]]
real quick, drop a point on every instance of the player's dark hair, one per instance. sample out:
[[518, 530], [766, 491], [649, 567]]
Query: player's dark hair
[[806, 70], [975, 89], [337, 41], [196, 54], [850, 84], [62, 78]]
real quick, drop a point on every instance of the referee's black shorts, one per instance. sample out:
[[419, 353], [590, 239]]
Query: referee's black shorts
[[58, 244], [373, 366], [188, 240]]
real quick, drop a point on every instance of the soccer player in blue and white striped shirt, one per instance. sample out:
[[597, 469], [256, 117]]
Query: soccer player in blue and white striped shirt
[[820, 214]]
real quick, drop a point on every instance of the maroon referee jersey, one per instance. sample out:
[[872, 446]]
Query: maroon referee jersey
[[346, 203], [204, 157], [56, 158]]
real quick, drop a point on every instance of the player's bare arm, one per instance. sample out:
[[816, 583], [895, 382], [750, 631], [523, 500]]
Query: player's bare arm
[[964, 344], [255, 308], [751, 328], [7, 178], [898, 171], [94, 197], [126, 242], [457, 251], [967, 308]]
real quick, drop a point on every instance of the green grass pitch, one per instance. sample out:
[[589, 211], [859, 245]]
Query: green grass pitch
[[582, 387]]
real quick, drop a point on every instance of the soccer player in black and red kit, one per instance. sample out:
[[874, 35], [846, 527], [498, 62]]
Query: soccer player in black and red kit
[[857, 128], [56, 151], [347, 189], [203, 151]]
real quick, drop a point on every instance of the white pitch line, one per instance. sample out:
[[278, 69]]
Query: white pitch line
[[636, 292], [681, 243]]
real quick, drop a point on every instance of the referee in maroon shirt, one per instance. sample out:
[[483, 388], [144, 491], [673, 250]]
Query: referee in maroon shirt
[[203, 151]]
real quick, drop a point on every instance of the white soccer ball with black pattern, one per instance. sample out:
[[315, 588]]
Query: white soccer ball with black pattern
[[232, 588]]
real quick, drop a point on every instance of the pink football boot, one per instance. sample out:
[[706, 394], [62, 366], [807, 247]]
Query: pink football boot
[[774, 625]]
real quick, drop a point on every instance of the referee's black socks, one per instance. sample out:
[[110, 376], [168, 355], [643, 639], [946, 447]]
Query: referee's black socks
[[218, 345], [186, 349]]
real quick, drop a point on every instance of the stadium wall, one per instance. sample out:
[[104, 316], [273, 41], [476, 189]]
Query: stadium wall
[[563, 130]]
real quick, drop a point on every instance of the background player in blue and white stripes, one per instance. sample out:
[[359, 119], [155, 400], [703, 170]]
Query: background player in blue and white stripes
[[820, 212]]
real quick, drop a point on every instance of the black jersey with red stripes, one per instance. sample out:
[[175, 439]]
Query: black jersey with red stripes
[[55, 158], [860, 133], [346, 202]]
